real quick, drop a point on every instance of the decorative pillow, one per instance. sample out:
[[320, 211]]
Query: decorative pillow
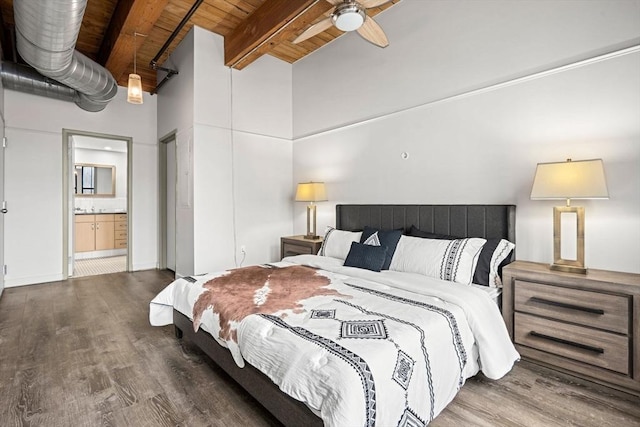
[[416, 232], [366, 256], [495, 254], [337, 243], [452, 260], [388, 238]]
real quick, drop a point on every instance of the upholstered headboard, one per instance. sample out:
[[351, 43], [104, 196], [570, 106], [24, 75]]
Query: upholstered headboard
[[487, 221]]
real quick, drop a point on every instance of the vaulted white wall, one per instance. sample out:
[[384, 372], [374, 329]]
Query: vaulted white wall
[[176, 113], [357, 108], [234, 155], [442, 48], [33, 226]]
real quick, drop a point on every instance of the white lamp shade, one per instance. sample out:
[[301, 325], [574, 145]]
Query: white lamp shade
[[311, 192], [583, 179], [134, 90]]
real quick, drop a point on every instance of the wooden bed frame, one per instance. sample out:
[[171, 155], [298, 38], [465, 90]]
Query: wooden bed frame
[[488, 221]]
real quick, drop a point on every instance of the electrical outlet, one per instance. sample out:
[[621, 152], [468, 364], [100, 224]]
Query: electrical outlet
[[243, 249]]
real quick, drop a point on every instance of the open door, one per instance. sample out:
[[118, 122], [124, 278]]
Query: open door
[[3, 207], [167, 202]]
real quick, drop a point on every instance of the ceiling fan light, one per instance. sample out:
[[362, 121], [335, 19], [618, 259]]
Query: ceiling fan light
[[348, 17]]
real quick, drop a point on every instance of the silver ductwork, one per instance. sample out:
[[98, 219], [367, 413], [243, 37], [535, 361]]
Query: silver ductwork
[[46, 35], [26, 79]]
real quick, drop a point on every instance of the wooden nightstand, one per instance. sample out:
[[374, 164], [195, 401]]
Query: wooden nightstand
[[585, 325], [298, 245]]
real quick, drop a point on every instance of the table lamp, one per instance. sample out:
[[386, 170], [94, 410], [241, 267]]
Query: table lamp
[[583, 179], [311, 192]]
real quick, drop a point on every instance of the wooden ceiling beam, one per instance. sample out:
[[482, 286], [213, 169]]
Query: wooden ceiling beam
[[129, 17], [287, 34], [263, 24]]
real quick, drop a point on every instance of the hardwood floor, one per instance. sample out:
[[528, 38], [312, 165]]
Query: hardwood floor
[[81, 352]]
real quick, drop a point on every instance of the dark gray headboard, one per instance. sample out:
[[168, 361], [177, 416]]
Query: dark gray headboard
[[487, 221]]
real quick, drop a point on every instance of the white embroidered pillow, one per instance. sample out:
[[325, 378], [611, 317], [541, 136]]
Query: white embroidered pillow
[[452, 260], [337, 243]]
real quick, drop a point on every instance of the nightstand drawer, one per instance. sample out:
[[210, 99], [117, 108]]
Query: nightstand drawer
[[603, 349], [598, 310], [289, 249]]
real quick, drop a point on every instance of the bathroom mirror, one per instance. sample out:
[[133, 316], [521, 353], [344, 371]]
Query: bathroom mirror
[[94, 180]]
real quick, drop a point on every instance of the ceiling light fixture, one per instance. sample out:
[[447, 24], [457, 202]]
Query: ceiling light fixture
[[134, 89], [348, 16]]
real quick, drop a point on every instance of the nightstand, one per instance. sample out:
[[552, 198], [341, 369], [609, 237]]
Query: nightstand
[[587, 325], [298, 245]]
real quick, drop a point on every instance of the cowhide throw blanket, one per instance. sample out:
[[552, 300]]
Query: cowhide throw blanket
[[258, 289]]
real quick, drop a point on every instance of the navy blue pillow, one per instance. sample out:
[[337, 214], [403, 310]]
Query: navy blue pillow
[[388, 238], [416, 232], [483, 267], [366, 256]]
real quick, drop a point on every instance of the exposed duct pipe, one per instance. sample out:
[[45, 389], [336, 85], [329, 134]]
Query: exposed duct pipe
[[46, 35], [26, 79]]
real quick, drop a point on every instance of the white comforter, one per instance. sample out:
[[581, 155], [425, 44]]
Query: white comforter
[[390, 349]]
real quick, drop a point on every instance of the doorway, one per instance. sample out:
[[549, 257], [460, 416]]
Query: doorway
[[97, 192], [167, 171], [3, 208]]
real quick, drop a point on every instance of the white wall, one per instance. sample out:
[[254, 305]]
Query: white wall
[[441, 48], [33, 228], [262, 158], [482, 146], [238, 169], [176, 113]]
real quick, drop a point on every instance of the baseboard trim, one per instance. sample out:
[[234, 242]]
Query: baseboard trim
[[35, 280]]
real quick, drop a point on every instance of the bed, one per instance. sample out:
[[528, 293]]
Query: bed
[[496, 222]]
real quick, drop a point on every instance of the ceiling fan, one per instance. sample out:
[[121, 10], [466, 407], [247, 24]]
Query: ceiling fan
[[350, 15]]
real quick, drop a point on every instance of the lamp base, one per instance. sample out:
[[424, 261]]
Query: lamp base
[[568, 269], [311, 237], [559, 263]]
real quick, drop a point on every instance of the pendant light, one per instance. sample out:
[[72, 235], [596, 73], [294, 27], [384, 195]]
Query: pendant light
[[134, 90]]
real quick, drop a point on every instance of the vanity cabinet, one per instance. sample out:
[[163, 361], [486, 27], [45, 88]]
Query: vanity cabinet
[[120, 227], [85, 233], [97, 232], [104, 232]]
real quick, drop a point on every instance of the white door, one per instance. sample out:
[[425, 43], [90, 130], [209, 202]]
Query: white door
[[171, 205], [1, 200]]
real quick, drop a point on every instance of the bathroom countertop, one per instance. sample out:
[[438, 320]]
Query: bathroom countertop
[[100, 212]]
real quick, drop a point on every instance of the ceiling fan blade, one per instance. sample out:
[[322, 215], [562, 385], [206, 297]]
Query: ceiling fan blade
[[316, 28], [368, 4], [372, 32], [337, 2]]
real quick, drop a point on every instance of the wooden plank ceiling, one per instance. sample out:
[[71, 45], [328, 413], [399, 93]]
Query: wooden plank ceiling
[[251, 28]]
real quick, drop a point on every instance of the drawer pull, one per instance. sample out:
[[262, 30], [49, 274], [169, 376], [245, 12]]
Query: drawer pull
[[567, 342], [569, 306]]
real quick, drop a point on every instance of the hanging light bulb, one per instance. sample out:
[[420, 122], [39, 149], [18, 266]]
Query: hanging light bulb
[[134, 89]]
